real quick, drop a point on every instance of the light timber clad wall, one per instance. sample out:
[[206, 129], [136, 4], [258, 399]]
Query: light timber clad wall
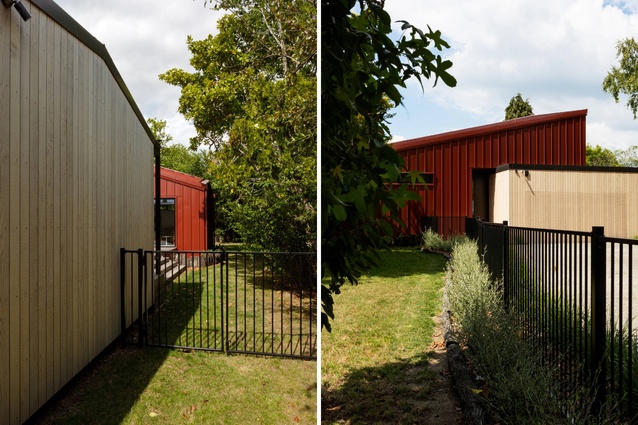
[[76, 184], [575, 198]]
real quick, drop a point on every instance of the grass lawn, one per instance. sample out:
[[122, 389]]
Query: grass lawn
[[161, 386], [375, 362], [265, 311]]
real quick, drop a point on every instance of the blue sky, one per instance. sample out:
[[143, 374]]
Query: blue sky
[[556, 53]]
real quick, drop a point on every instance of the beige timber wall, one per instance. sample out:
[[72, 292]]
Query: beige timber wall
[[573, 200], [500, 199], [76, 184]]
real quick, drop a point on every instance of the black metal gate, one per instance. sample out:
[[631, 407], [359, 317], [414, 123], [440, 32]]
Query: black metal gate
[[233, 302]]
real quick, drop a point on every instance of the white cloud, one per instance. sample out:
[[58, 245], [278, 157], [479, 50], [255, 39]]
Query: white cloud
[[556, 53], [146, 38]]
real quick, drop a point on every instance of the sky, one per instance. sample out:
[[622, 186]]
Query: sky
[[146, 38], [556, 53]]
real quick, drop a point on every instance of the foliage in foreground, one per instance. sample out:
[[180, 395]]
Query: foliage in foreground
[[363, 68], [520, 386]]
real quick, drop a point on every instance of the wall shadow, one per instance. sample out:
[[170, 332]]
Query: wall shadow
[[121, 373]]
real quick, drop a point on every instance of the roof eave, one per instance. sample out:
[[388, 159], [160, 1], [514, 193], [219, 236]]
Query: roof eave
[[508, 125]]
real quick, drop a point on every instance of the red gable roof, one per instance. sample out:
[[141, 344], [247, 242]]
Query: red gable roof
[[467, 133], [182, 178]]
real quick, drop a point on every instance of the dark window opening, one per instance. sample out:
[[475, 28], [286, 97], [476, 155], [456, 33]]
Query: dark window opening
[[428, 178], [167, 217]]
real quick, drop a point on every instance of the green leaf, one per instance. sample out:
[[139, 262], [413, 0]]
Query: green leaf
[[339, 212]]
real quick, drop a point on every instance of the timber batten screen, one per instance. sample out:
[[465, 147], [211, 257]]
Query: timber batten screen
[[75, 185]]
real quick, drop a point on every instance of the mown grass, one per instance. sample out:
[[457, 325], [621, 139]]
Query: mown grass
[[375, 362], [244, 305], [161, 386]]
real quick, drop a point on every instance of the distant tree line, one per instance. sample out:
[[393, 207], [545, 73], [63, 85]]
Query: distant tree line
[[602, 157]]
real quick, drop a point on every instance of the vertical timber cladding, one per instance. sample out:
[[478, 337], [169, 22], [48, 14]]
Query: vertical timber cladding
[[452, 158], [75, 183], [569, 198]]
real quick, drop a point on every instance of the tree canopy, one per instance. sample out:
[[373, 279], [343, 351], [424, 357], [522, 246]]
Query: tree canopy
[[362, 71], [628, 157], [518, 108], [158, 128], [600, 157], [252, 100], [176, 156], [623, 79]]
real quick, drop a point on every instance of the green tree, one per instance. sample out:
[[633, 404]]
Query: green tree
[[518, 108], [178, 157], [181, 158], [624, 78], [252, 99], [628, 157], [158, 127], [600, 157], [362, 71]]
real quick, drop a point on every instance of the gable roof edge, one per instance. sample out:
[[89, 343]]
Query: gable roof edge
[[502, 126], [59, 15]]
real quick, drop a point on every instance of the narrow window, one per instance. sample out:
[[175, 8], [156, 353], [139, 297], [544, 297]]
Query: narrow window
[[167, 217], [428, 178]]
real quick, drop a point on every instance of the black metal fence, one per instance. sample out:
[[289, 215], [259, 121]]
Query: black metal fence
[[573, 295], [233, 302]]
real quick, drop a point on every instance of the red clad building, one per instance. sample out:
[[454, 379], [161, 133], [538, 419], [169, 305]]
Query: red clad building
[[186, 212], [457, 166]]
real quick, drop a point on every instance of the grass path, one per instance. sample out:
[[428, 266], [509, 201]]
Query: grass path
[[161, 386], [376, 363]]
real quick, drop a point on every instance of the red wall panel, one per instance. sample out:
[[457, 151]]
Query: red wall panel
[[550, 139], [190, 208]]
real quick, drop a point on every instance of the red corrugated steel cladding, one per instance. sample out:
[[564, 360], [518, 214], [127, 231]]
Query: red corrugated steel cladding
[[461, 161], [190, 209]]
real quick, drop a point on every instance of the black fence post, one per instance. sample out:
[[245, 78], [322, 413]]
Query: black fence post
[[140, 279], [506, 244], [158, 202], [123, 295], [470, 227], [224, 299], [598, 316]]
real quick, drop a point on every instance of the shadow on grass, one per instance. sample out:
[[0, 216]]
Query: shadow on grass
[[187, 312], [394, 393], [106, 391]]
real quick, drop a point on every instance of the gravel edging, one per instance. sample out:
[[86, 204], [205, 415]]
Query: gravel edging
[[462, 378]]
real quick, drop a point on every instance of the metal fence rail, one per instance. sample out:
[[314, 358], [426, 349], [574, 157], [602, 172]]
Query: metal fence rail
[[234, 302], [572, 293], [271, 299], [185, 308]]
